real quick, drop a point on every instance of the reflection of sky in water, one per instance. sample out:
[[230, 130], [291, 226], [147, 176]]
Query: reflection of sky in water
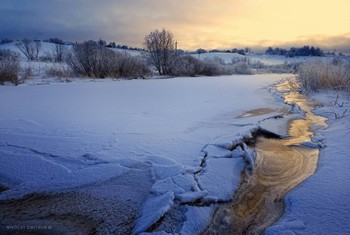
[[281, 164]]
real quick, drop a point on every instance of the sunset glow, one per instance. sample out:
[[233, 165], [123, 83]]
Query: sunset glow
[[196, 23]]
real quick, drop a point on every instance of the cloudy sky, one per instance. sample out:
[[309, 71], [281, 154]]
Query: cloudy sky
[[195, 23]]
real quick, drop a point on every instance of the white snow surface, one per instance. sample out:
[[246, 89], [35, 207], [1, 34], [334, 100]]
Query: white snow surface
[[321, 204], [197, 219], [63, 135]]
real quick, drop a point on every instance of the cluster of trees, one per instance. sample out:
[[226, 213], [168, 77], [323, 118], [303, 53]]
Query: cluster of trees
[[234, 50], [295, 51], [30, 48], [54, 40], [103, 43], [94, 59], [6, 40]]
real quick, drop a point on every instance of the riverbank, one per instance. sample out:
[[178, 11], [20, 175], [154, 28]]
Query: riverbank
[[321, 205]]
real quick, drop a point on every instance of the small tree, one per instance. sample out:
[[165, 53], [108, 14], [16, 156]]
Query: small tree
[[29, 48], [59, 50], [160, 45]]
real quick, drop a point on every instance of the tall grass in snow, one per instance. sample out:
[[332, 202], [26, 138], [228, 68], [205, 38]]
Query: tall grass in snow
[[321, 75]]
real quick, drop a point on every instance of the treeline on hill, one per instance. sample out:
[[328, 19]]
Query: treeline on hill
[[245, 51], [6, 40], [295, 51], [97, 59]]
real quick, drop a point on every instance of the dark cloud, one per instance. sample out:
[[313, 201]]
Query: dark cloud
[[120, 20], [195, 23]]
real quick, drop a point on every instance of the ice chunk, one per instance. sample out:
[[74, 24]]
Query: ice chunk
[[214, 151], [177, 184], [277, 125], [161, 172], [311, 145], [153, 209], [249, 156], [237, 152], [186, 182], [191, 196], [221, 178], [166, 185]]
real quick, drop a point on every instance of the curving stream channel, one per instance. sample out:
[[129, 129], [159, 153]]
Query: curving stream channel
[[281, 164]]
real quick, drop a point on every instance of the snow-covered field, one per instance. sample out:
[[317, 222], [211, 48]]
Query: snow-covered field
[[68, 135]]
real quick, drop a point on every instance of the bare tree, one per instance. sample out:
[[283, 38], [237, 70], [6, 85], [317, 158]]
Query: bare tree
[[160, 45], [29, 48], [37, 48], [59, 50]]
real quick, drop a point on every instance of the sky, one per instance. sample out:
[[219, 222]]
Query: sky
[[209, 24]]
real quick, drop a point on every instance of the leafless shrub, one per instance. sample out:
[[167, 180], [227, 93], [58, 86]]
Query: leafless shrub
[[218, 60], [27, 73], [257, 65], [242, 68], [211, 68], [9, 66], [131, 66], [320, 75], [187, 66], [281, 68], [59, 70], [90, 59], [337, 107], [46, 57], [29, 48], [236, 60]]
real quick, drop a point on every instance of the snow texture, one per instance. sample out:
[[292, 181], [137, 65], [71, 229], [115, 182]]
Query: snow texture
[[197, 219]]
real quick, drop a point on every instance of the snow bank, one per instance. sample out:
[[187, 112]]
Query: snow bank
[[321, 204]]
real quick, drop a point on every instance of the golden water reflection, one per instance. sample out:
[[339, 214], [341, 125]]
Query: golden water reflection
[[281, 164]]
